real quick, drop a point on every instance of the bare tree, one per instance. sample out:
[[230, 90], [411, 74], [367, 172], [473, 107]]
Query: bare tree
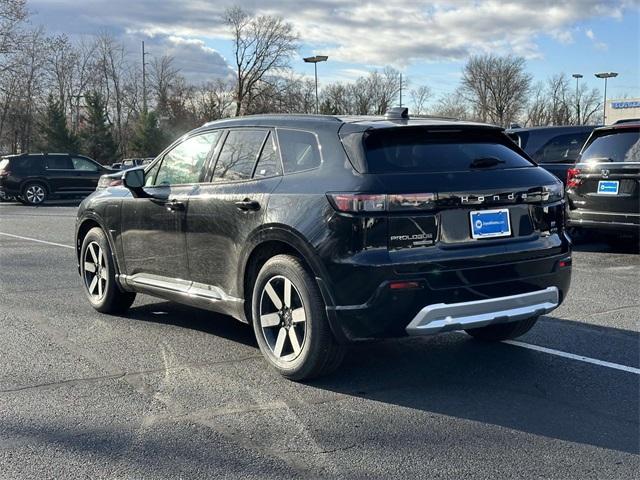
[[262, 44], [497, 87], [419, 98], [163, 78], [453, 105], [12, 14]]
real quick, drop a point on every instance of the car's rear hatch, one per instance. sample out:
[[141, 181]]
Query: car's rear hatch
[[607, 177], [460, 197]]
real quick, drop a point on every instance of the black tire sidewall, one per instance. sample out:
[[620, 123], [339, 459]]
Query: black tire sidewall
[[97, 235], [24, 193], [314, 310]]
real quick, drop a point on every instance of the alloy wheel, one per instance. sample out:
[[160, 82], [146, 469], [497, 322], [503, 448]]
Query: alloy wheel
[[95, 271], [283, 318], [34, 194]]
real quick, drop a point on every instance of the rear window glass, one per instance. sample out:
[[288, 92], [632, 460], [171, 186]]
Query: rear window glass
[[59, 162], [299, 150], [417, 150], [623, 146], [561, 149]]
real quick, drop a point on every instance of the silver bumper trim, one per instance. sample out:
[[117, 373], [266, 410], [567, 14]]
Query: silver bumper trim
[[443, 317]]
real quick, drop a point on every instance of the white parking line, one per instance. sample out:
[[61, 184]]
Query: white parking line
[[572, 356], [36, 240]]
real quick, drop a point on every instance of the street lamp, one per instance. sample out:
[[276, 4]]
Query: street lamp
[[315, 60], [578, 76], [605, 75]]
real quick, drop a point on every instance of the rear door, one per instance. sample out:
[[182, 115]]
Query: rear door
[[60, 173], [224, 212], [607, 179]]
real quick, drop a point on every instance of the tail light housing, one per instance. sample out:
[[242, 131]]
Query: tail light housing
[[372, 203], [572, 178]]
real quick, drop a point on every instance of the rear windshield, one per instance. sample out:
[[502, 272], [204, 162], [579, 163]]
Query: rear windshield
[[418, 150], [622, 146]]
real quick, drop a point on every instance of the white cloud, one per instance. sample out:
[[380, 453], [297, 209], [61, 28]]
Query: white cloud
[[589, 33], [368, 33], [596, 43]]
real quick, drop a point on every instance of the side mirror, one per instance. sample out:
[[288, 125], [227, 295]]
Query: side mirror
[[134, 180]]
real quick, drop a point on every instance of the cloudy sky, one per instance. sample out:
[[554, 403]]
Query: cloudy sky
[[428, 40]]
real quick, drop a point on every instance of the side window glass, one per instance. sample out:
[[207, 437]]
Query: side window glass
[[150, 175], [239, 154], [84, 164], [299, 150], [561, 149], [184, 164], [59, 162], [269, 162]]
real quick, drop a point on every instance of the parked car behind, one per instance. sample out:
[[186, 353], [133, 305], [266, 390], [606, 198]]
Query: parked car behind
[[603, 187], [553, 148], [321, 230], [33, 178]]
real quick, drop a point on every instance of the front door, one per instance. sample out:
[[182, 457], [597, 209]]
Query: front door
[[153, 227]]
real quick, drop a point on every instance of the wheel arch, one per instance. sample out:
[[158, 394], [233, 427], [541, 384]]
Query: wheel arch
[[274, 240], [84, 226], [41, 180]]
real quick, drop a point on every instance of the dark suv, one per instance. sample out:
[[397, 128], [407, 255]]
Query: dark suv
[[321, 230], [34, 177], [554, 148], [604, 185]]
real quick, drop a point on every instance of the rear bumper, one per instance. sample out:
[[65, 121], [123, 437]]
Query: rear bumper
[[443, 317], [604, 220], [438, 304]]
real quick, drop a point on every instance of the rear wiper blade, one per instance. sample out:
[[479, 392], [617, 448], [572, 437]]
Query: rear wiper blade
[[485, 162]]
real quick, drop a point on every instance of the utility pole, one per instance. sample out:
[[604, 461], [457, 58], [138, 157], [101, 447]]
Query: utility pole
[[144, 80], [578, 76], [400, 88]]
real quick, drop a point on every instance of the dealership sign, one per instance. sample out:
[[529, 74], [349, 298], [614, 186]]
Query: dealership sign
[[630, 104]]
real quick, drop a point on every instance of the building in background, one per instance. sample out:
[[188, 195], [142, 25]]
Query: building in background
[[623, 109]]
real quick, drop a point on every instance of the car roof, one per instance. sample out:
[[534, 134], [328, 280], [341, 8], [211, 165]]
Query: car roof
[[619, 126], [319, 121], [558, 128]]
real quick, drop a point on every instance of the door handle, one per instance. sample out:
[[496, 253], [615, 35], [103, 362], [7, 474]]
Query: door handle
[[174, 206], [248, 205]]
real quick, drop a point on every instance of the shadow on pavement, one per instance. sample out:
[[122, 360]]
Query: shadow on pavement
[[460, 377]]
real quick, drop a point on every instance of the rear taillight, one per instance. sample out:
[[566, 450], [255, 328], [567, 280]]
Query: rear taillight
[[365, 202], [572, 178]]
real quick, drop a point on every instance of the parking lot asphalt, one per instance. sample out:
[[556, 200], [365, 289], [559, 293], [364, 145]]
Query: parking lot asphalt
[[168, 391]]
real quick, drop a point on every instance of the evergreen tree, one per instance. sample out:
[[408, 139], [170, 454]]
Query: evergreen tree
[[56, 137], [148, 138], [97, 139]]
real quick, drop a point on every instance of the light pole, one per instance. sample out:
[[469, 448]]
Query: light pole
[[605, 75], [315, 60], [578, 76]]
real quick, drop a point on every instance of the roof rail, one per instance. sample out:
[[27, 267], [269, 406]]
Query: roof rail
[[397, 113]]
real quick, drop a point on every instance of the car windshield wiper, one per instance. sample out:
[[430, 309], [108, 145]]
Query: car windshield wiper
[[485, 162]]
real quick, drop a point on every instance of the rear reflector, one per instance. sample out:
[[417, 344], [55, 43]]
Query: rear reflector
[[404, 285], [365, 202], [564, 263], [572, 180]]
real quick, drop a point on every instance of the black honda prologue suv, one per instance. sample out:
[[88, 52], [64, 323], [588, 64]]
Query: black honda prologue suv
[[321, 230]]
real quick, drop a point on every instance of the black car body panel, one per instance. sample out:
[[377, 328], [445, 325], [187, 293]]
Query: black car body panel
[[555, 149], [604, 191], [61, 174], [200, 243]]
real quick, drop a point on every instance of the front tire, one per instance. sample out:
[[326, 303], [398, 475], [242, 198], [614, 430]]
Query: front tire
[[290, 321], [34, 193], [503, 331], [98, 275]]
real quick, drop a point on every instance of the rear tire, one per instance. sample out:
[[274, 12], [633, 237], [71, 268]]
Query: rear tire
[[34, 193], [98, 274], [290, 321], [503, 331]]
